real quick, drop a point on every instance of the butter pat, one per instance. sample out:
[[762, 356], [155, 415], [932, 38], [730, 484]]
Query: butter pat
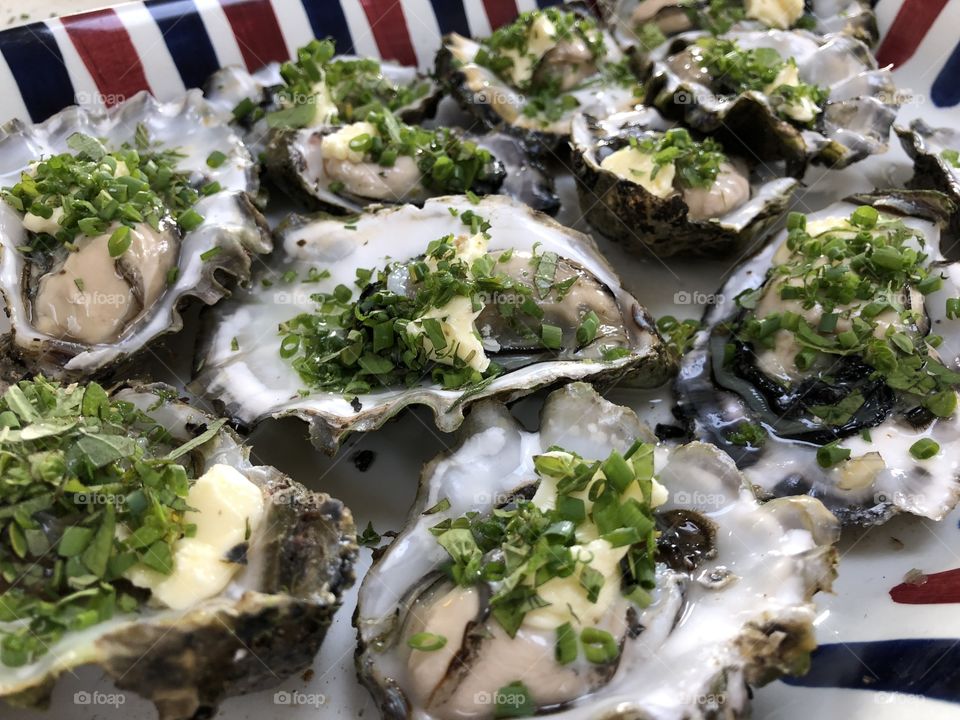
[[568, 600], [326, 109], [457, 320], [805, 109], [782, 14], [633, 164], [336, 146], [541, 38], [225, 503], [36, 224]]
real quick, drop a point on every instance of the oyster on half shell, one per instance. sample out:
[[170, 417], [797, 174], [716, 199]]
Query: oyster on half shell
[[626, 202], [728, 604], [783, 119], [77, 305], [646, 23], [532, 76], [217, 625], [831, 363], [552, 310]]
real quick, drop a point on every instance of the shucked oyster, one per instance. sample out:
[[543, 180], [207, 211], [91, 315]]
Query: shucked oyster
[[648, 23], [779, 94], [830, 365], [936, 161], [137, 536], [440, 306], [316, 90], [655, 188], [110, 222], [582, 572], [342, 168], [533, 75]]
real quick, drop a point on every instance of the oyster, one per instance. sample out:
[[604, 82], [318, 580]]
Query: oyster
[[379, 160], [451, 623], [702, 201], [457, 301], [183, 617], [530, 77], [778, 94], [648, 23], [317, 89], [103, 242], [830, 365], [936, 160]]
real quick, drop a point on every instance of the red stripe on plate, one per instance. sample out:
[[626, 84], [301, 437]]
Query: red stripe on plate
[[500, 12], [257, 31], [911, 25], [105, 47], [389, 28]]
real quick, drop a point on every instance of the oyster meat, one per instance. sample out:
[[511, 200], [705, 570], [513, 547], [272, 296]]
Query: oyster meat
[[778, 94], [440, 306], [530, 77], [701, 201], [148, 544], [936, 161], [104, 240], [648, 23], [584, 572], [830, 364]]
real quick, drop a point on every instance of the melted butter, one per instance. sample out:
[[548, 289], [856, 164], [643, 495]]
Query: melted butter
[[803, 110], [457, 322], [633, 164], [781, 14]]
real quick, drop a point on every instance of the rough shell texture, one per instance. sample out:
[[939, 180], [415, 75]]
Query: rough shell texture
[[924, 145], [855, 121], [231, 224], [253, 382], [787, 467], [701, 641], [267, 625], [645, 223]]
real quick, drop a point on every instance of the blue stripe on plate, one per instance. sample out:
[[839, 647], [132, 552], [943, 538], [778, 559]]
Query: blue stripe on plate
[[946, 88], [38, 67], [902, 666], [327, 20], [186, 38], [451, 16]]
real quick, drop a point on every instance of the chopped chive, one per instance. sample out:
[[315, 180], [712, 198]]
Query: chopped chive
[[216, 159], [599, 646], [426, 641], [924, 449], [565, 649], [119, 241]]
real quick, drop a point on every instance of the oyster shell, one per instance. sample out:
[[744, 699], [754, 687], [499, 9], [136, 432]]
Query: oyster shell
[[737, 209], [146, 303], [502, 103], [240, 367], [636, 22], [732, 604], [846, 427], [929, 149], [855, 120], [265, 626]]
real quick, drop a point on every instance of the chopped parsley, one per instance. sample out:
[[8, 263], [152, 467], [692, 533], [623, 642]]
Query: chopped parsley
[[355, 86], [77, 467], [697, 162], [951, 156], [735, 70], [522, 546], [679, 334], [90, 189], [447, 162]]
